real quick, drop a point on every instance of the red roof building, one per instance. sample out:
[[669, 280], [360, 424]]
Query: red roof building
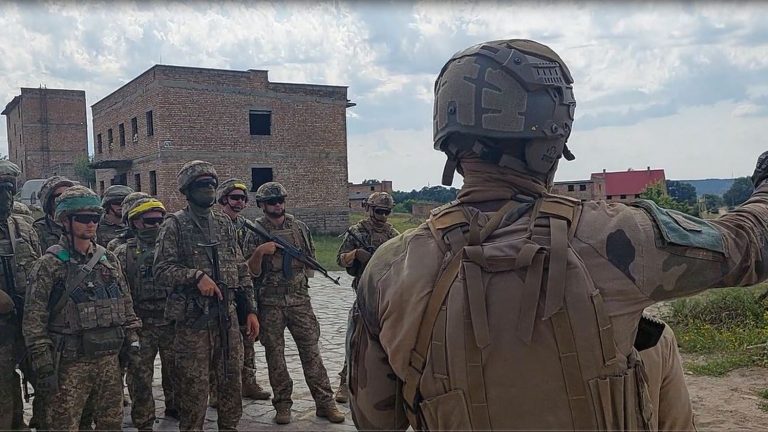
[[617, 186]]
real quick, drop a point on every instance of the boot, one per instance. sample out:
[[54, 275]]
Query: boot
[[282, 415], [331, 413], [172, 413], [252, 389], [342, 393]]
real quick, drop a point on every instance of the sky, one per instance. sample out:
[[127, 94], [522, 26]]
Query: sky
[[678, 86]]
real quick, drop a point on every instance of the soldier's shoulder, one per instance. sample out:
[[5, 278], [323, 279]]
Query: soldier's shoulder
[[120, 250], [53, 257], [297, 222]]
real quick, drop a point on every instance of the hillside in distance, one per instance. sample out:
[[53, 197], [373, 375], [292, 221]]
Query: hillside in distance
[[710, 186]]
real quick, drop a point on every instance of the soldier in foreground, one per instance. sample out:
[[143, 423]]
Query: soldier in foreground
[[112, 223], [48, 229], [283, 298], [77, 316], [156, 334], [197, 254], [126, 233], [232, 196], [19, 249], [511, 275], [360, 242]]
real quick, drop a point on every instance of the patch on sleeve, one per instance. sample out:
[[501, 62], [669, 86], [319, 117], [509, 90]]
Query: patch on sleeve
[[680, 229]]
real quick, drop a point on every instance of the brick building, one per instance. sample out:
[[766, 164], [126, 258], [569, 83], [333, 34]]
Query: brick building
[[47, 131], [247, 126], [616, 186], [359, 192]]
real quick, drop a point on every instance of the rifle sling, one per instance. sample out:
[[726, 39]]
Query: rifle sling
[[78, 279]]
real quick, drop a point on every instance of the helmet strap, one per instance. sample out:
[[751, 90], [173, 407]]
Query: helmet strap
[[449, 169]]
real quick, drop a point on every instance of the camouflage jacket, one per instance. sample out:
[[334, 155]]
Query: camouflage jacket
[[272, 286], [178, 254], [149, 299], [241, 232], [48, 232], [25, 248], [636, 255], [107, 231], [372, 235], [47, 283]]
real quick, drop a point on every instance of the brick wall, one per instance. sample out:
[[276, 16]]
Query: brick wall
[[204, 114]]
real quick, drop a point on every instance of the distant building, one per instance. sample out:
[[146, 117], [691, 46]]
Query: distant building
[[47, 131], [247, 126], [420, 210], [616, 186], [359, 192]]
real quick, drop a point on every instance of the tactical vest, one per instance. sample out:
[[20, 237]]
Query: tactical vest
[[185, 304], [89, 316], [48, 232], [148, 298], [273, 282], [23, 256], [372, 237], [105, 232], [515, 335]]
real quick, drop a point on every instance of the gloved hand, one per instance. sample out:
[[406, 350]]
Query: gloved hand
[[133, 353], [47, 381], [362, 255], [761, 170]]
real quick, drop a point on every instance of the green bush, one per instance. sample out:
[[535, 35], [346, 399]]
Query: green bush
[[730, 307]]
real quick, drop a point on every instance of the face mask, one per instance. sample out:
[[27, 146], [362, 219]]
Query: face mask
[[6, 203], [148, 235], [202, 197]]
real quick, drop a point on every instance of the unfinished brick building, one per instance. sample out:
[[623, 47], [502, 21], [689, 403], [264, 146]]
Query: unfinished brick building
[[247, 126], [47, 131]]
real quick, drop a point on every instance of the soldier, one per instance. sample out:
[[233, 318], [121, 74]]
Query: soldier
[[284, 302], [77, 316], [193, 243], [126, 234], [144, 217], [515, 309], [360, 241], [112, 223], [232, 195], [21, 209], [48, 230], [19, 248]]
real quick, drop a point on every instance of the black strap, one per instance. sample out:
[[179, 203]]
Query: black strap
[[77, 279]]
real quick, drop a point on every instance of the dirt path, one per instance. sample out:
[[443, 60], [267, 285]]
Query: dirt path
[[729, 403]]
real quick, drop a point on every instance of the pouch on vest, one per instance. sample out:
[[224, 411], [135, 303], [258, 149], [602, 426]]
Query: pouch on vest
[[101, 342], [175, 307]]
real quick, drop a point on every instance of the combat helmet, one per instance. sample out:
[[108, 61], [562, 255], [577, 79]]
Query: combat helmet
[[379, 200], [270, 190], [228, 186], [77, 199], [144, 205], [8, 172], [50, 185], [509, 101], [192, 170], [115, 194], [128, 202]]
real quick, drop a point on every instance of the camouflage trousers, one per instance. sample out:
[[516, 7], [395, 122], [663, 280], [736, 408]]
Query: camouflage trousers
[[197, 352], [248, 372], [302, 323], [83, 378], [11, 408], [153, 338]]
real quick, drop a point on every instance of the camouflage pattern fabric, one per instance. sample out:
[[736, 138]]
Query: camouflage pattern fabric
[[115, 194], [372, 234], [49, 186], [48, 232], [22, 210], [9, 387], [108, 231], [270, 190], [228, 186], [98, 379], [192, 170]]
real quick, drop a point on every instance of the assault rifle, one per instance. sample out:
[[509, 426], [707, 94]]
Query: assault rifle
[[367, 247], [9, 276], [290, 253], [221, 304]]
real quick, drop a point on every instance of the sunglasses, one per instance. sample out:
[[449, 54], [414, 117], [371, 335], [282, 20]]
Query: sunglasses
[[274, 201], [152, 221], [85, 219], [382, 212], [199, 184], [237, 197]]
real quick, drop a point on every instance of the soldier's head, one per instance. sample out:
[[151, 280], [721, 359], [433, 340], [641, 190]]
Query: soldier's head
[[270, 197], [128, 202], [78, 210], [198, 180], [232, 195], [145, 216], [379, 206], [508, 103], [8, 174], [112, 200], [52, 189]]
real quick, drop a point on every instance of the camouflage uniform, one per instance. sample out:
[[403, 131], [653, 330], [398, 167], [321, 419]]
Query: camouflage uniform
[[285, 303], [48, 231], [21, 209], [373, 232], [178, 259], [19, 240], [515, 309], [75, 325], [109, 229], [123, 237], [157, 332]]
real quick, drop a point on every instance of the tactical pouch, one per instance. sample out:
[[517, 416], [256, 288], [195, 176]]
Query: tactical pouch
[[102, 341], [621, 402], [175, 307], [99, 313], [446, 412]]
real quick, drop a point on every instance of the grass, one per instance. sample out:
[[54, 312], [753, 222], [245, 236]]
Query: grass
[[763, 403], [326, 246], [726, 329]]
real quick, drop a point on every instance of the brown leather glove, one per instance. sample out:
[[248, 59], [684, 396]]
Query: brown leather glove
[[348, 258]]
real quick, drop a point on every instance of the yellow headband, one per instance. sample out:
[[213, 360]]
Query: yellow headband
[[240, 186], [145, 207]]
